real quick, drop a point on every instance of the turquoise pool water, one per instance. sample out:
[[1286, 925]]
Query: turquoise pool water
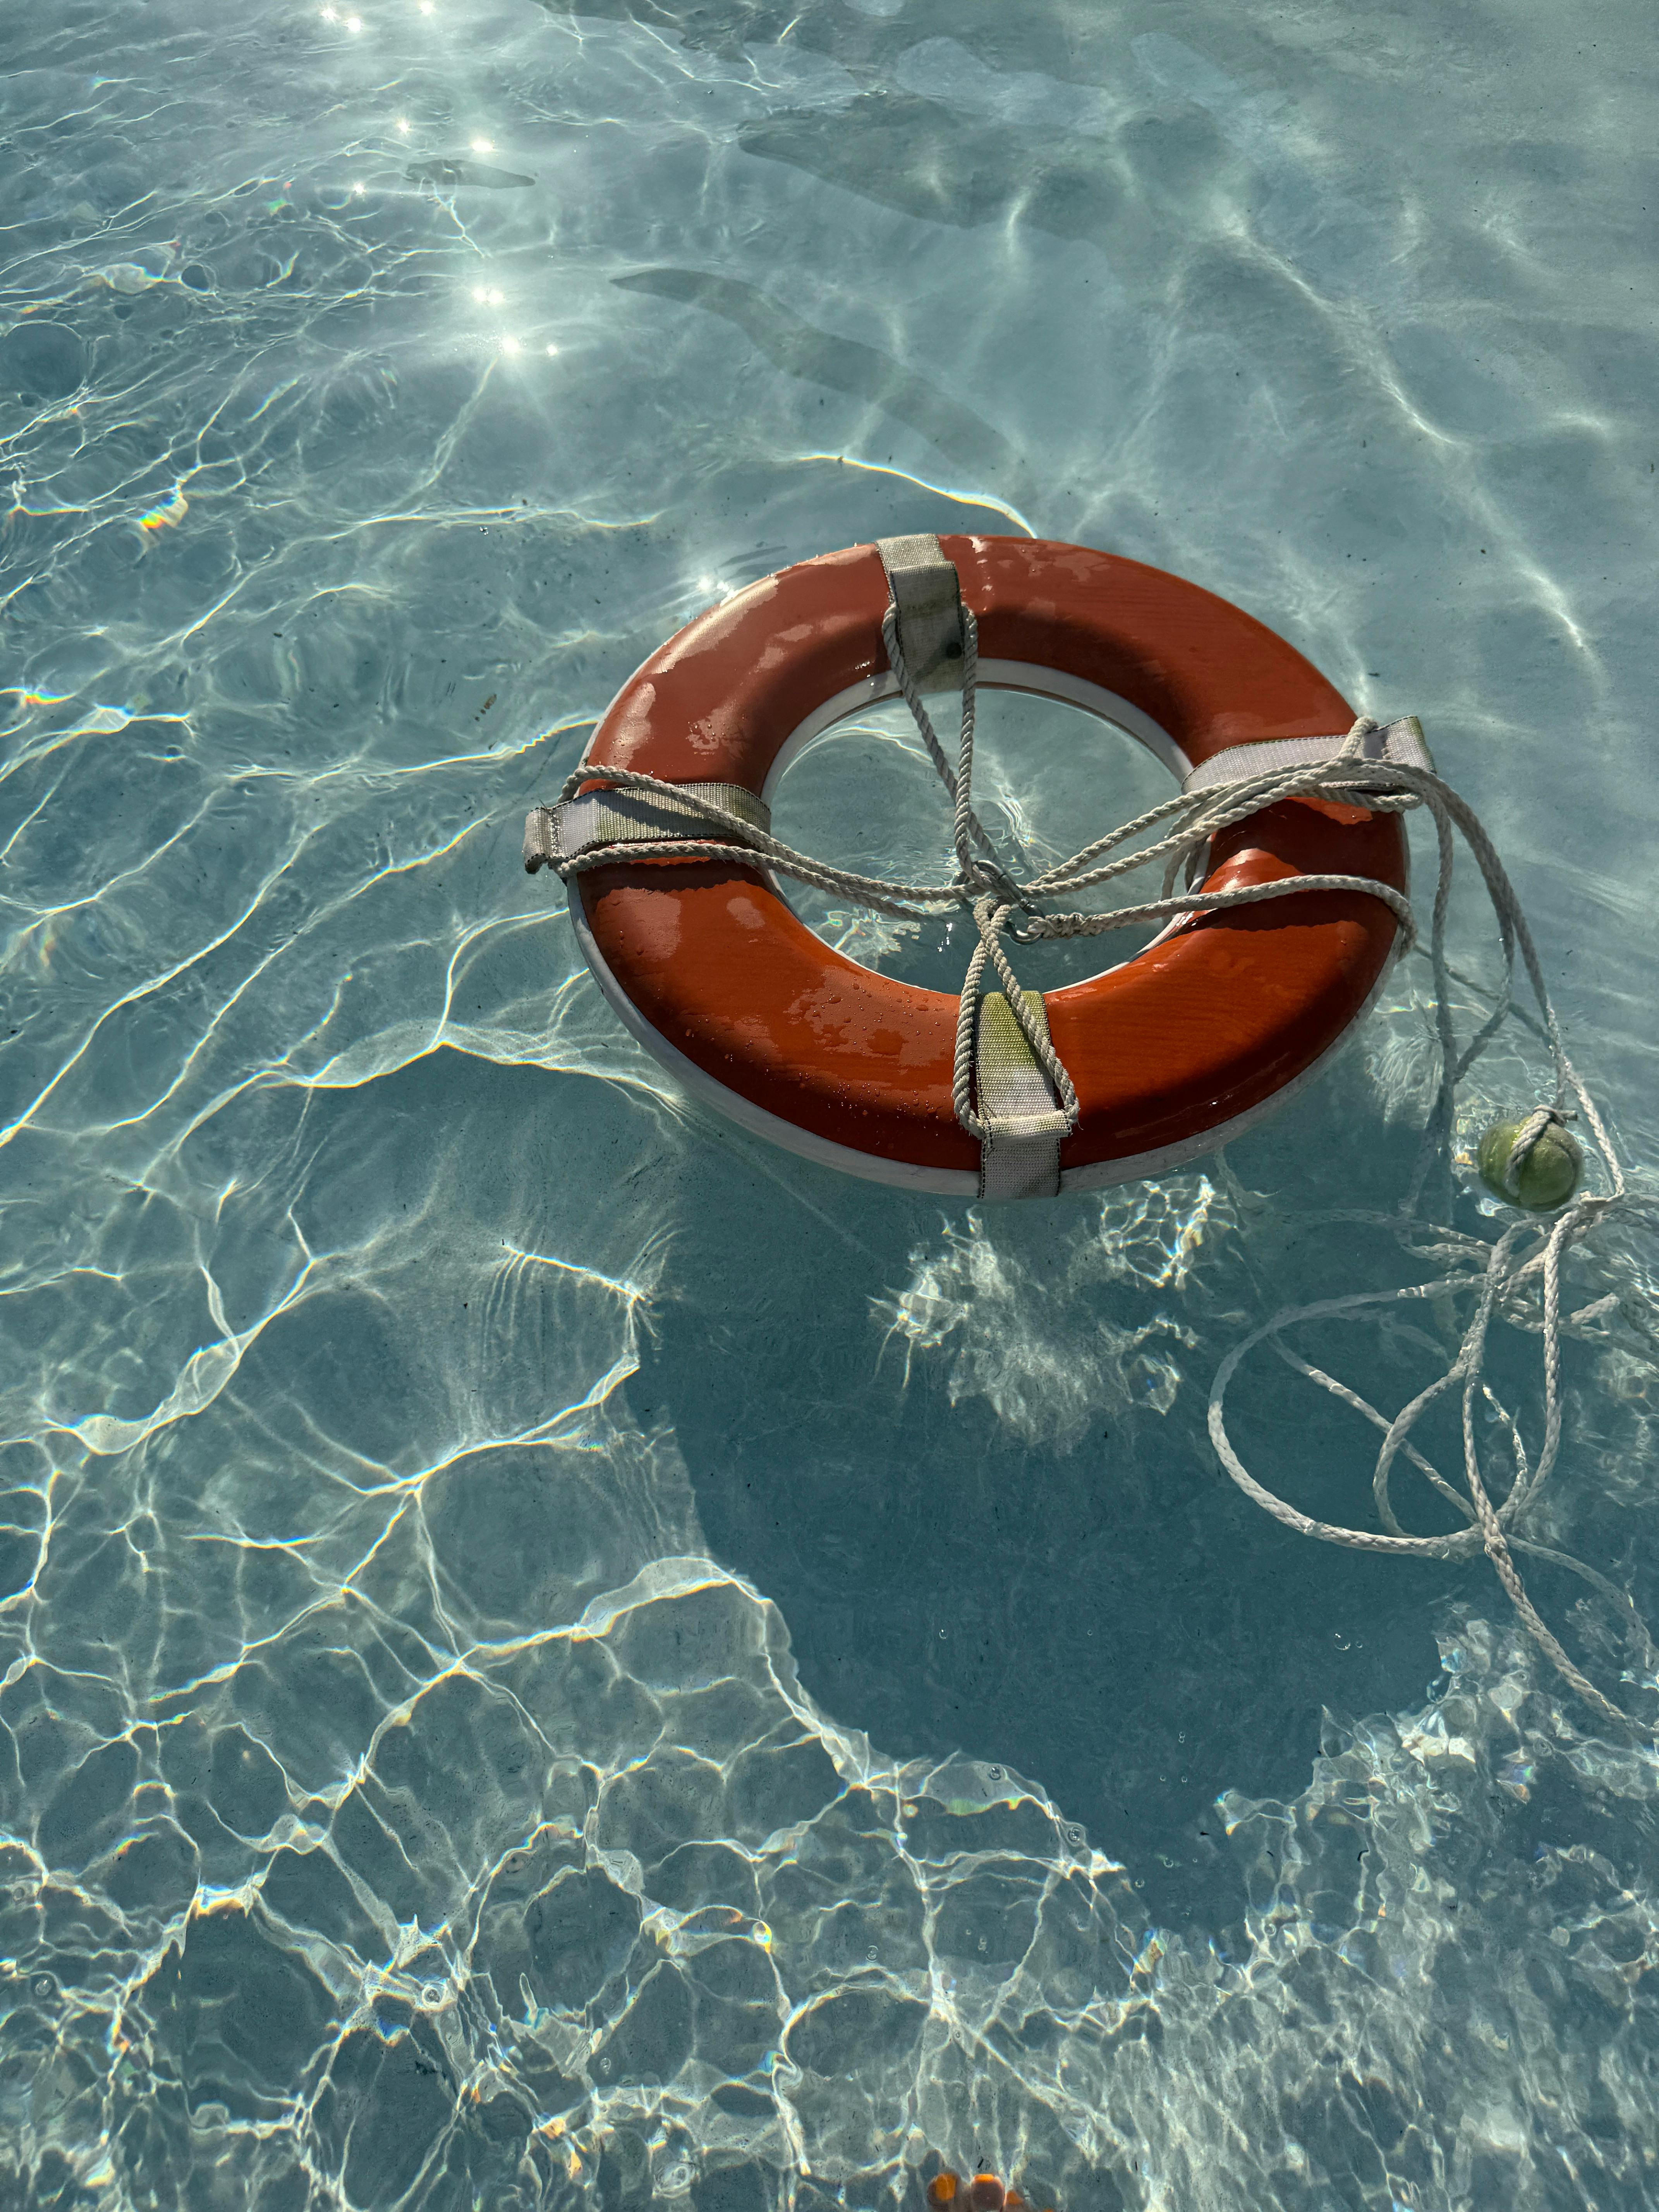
[[547, 1651]]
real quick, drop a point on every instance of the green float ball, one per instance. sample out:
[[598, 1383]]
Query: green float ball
[[1549, 1175]]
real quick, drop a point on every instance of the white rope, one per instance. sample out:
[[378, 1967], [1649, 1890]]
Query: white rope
[[1525, 1261]]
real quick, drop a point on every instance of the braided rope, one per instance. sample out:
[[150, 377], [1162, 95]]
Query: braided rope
[[1525, 1143]]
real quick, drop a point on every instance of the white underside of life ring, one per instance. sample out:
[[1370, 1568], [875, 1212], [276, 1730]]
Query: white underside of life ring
[[994, 676], [907, 1175]]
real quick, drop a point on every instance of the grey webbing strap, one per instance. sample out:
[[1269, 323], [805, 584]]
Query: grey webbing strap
[[1019, 1156], [1400, 742], [630, 818], [927, 594]]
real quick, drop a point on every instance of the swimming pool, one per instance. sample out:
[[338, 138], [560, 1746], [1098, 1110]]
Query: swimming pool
[[548, 1648]]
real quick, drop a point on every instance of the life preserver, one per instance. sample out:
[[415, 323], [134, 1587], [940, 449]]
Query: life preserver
[[1171, 1053]]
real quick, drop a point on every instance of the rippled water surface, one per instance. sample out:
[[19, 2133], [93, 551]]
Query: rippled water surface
[[550, 1652]]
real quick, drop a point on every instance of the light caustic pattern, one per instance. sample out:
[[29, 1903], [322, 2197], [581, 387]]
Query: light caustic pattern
[[524, 1621]]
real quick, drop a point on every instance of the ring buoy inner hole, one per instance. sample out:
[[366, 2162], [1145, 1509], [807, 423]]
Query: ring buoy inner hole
[[1050, 774]]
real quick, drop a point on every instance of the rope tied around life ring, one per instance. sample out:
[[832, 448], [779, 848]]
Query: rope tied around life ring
[[640, 816], [1010, 1090]]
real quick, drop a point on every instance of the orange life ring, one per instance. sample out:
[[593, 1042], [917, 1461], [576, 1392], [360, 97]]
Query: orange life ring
[[1171, 1053]]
